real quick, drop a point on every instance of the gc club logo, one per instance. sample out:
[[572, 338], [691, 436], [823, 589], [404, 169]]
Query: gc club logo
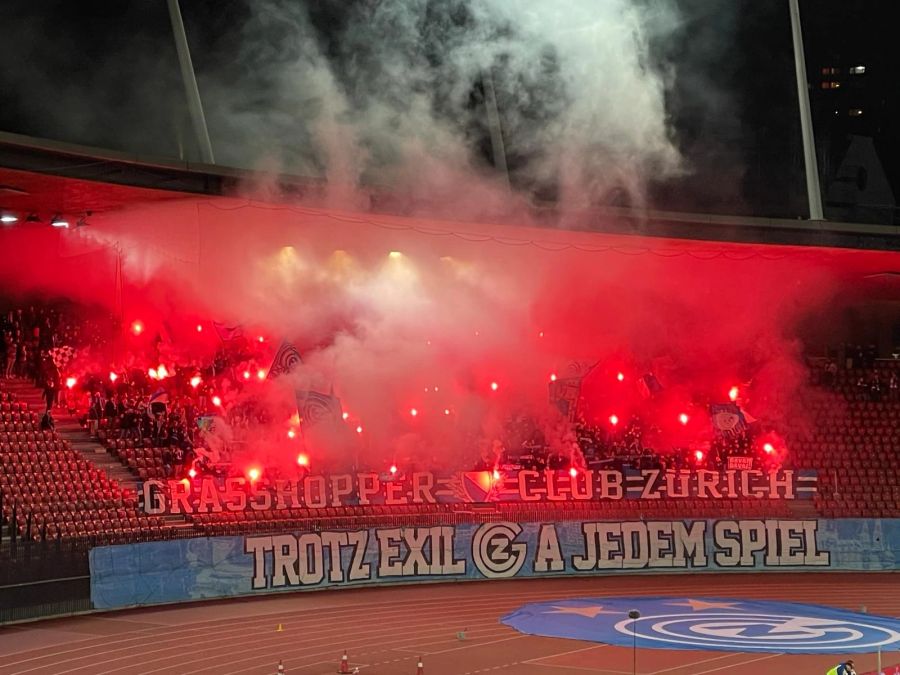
[[713, 624], [495, 552], [757, 632]]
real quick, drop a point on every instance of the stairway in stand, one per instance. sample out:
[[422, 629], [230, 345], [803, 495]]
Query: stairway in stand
[[69, 430]]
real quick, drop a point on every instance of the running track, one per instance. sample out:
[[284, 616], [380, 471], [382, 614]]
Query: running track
[[386, 629]]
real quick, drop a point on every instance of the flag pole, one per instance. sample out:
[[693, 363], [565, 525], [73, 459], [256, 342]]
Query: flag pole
[[190, 83], [813, 192]]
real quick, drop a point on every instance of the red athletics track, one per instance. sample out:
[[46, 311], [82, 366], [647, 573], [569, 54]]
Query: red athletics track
[[386, 629]]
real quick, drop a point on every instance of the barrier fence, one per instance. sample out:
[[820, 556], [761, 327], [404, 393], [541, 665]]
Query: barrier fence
[[218, 567]]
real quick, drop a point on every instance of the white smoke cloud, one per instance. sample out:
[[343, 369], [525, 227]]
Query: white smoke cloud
[[397, 99]]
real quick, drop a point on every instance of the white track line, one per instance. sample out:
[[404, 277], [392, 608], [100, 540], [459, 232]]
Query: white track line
[[180, 632], [696, 663], [314, 641], [180, 629], [599, 645], [735, 665], [187, 631]]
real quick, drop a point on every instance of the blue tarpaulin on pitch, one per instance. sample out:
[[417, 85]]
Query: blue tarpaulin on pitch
[[717, 624]]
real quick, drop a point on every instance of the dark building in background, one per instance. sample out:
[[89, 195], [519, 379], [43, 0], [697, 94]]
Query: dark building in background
[[852, 71]]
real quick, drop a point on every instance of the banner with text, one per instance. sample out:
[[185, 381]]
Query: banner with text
[[214, 495], [219, 567]]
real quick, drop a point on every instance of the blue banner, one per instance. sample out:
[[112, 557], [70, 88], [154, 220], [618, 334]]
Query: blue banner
[[218, 567]]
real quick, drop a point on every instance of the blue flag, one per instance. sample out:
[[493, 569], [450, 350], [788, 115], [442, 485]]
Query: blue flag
[[727, 419], [564, 395]]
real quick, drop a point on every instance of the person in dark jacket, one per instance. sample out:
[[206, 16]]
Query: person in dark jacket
[[109, 409], [47, 423]]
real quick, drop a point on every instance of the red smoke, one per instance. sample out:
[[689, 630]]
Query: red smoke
[[464, 318]]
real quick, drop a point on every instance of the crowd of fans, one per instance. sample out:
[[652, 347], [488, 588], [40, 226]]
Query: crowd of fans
[[630, 444], [170, 407], [119, 389], [869, 383], [878, 386], [163, 406]]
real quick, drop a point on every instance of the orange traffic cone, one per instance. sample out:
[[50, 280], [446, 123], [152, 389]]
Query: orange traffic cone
[[420, 669], [344, 667], [280, 667]]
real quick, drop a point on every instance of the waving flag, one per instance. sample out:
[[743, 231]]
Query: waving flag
[[564, 395], [315, 407], [217, 435], [228, 333], [286, 358], [160, 396], [62, 356], [565, 392], [579, 368], [727, 418], [648, 385]]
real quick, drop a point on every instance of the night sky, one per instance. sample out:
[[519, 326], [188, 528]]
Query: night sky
[[106, 74]]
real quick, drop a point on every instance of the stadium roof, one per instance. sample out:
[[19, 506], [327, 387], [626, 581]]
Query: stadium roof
[[46, 177]]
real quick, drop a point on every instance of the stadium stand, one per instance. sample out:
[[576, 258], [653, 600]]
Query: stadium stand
[[49, 490], [855, 445], [856, 440]]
